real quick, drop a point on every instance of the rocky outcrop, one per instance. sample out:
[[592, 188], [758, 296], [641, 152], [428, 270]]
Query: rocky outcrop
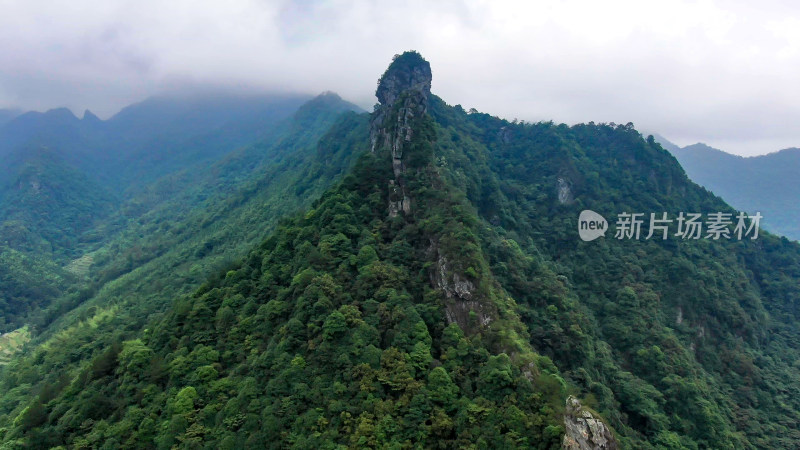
[[462, 305], [563, 190], [403, 93], [408, 72], [584, 431], [395, 128]]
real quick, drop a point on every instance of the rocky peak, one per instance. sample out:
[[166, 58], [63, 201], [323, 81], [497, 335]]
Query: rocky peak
[[584, 431], [90, 116], [407, 72], [403, 93]]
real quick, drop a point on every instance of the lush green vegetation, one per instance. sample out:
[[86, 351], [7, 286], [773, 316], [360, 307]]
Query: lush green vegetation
[[49, 205], [335, 317], [10, 342], [45, 212], [680, 343], [68, 186], [463, 323], [65, 236], [184, 235]]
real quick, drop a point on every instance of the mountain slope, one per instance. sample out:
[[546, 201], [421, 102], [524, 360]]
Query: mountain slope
[[181, 131], [342, 276], [765, 183], [7, 114], [47, 208], [171, 249], [61, 218], [47, 205], [681, 343], [28, 283]]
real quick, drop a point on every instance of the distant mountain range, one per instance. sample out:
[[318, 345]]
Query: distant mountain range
[[766, 183], [149, 139], [69, 185]]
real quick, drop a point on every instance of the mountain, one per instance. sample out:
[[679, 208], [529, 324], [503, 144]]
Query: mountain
[[156, 134], [165, 241], [56, 129], [8, 114], [49, 204], [45, 211], [432, 292], [765, 183], [60, 215], [153, 138], [144, 142]]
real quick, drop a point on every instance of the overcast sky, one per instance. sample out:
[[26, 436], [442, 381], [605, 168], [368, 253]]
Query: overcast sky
[[723, 73]]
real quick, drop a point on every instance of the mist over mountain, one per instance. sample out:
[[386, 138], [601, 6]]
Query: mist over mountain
[[295, 272], [765, 183], [151, 138]]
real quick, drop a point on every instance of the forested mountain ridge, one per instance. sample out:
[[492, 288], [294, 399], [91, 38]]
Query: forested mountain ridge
[[438, 295], [62, 220], [181, 237], [621, 329], [49, 204], [46, 211]]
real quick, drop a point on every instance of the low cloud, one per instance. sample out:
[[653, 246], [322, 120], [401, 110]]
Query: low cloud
[[721, 73]]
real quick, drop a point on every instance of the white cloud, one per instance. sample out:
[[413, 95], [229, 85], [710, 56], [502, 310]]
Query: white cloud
[[718, 72]]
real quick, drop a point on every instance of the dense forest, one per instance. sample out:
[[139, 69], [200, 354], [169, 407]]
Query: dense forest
[[408, 278]]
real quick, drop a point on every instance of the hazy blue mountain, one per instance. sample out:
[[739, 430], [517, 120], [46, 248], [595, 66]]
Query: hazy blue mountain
[[766, 183], [8, 114], [57, 129], [152, 138], [164, 134], [54, 163]]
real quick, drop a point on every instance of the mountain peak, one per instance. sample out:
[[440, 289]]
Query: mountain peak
[[408, 71], [90, 116], [403, 92], [60, 113]]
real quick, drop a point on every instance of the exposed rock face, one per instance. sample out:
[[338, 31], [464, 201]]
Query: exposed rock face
[[584, 431], [461, 307], [504, 135], [564, 191], [458, 287], [408, 72], [403, 92]]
